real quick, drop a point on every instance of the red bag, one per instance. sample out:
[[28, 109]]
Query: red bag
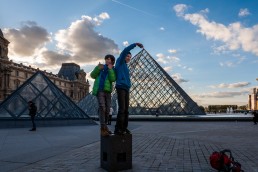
[[222, 162]]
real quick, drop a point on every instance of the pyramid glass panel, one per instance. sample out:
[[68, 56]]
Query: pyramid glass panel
[[51, 102], [154, 91], [89, 104]]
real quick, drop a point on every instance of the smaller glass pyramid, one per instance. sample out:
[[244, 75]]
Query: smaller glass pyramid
[[89, 104], [51, 102]]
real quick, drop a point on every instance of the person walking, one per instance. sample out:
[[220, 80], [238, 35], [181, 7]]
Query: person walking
[[104, 76], [32, 113], [123, 84], [255, 118]]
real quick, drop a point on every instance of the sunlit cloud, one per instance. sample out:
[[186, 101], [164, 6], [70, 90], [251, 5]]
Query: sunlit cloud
[[233, 37], [222, 94], [168, 68], [125, 43], [243, 12], [172, 51], [79, 43], [167, 59], [232, 85], [178, 78], [27, 40]]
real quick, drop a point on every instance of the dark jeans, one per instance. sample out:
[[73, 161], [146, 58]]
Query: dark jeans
[[109, 119], [255, 119], [104, 100], [123, 105], [32, 117]]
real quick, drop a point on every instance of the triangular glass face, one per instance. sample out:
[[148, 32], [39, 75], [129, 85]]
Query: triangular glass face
[[51, 102], [153, 91], [89, 104]]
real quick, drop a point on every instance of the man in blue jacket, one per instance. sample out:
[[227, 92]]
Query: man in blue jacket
[[123, 84]]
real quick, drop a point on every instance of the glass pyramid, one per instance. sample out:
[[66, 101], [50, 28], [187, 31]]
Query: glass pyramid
[[90, 104], [51, 102], [153, 92]]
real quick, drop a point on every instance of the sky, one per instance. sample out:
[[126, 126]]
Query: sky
[[210, 48]]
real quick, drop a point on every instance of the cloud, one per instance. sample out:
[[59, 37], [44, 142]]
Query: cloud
[[233, 85], [180, 9], [79, 43], [243, 12], [168, 68], [162, 28], [82, 42], [26, 40], [172, 51], [167, 59], [227, 64], [221, 94], [233, 37], [104, 16], [178, 78], [125, 43]]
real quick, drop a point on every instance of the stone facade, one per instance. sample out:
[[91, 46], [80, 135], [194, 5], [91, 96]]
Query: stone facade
[[12, 75], [253, 100]]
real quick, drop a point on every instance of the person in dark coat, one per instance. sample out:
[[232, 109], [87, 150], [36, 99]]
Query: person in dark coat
[[255, 118], [32, 113]]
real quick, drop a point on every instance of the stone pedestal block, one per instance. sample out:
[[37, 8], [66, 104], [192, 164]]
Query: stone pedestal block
[[116, 152]]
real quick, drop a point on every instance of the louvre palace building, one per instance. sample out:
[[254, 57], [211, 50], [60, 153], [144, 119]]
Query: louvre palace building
[[70, 78]]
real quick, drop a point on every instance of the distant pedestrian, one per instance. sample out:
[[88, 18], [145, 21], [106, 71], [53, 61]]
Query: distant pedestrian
[[255, 118], [32, 113], [110, 116]]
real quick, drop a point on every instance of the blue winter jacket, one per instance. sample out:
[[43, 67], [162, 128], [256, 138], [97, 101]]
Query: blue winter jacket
[[122, 72]]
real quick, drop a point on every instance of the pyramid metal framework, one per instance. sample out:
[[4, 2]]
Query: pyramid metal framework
[[153, 92], [89, 104], [51, 102]]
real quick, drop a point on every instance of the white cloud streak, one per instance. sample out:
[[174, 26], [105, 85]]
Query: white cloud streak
[[232, 85], [136, 9], [221, 94]]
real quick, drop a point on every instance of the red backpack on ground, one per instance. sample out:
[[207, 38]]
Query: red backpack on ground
[[222, 162]]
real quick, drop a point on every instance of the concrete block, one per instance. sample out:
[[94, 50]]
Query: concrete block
[[116, 152]]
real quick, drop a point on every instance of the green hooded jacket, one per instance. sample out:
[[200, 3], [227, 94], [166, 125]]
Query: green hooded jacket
[[108, 86]]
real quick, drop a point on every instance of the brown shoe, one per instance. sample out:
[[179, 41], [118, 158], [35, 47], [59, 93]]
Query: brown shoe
[[103, 131], [106, 128]]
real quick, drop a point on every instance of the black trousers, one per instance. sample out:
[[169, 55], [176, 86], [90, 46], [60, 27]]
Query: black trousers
[[123, 105], [32, 117]]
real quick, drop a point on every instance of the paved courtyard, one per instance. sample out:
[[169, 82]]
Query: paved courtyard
[[157, 146]]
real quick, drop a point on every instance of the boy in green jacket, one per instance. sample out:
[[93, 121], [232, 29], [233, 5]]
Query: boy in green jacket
[[104, 76]]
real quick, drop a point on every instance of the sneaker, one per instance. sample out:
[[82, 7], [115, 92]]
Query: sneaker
[[127, 131], [33, 129]]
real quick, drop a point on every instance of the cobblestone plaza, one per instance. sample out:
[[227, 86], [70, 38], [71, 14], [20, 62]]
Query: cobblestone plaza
[[157, 146]]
